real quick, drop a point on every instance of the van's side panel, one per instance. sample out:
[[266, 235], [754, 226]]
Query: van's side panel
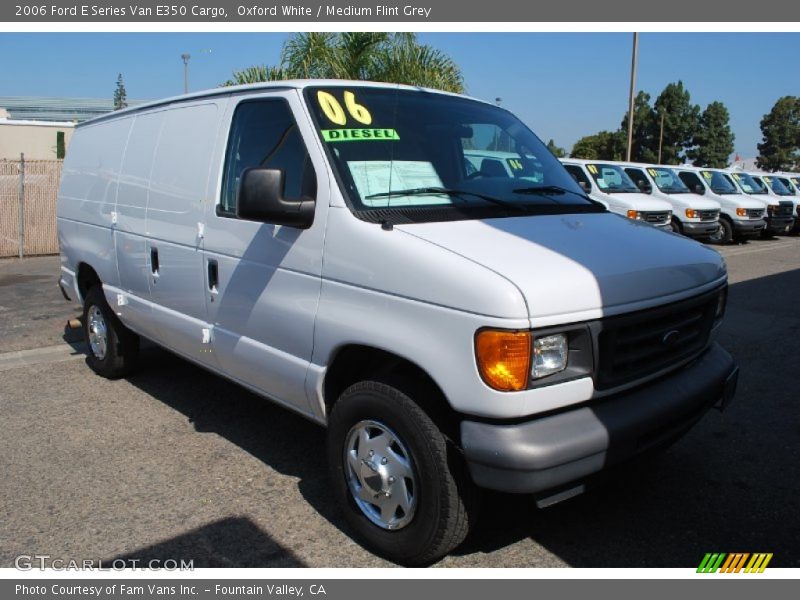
[[87, 197], [175, 216], [134, 185], [269, 283]]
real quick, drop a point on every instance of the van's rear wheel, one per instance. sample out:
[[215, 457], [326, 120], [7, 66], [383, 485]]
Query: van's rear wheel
[[113, 348], [403, 489]]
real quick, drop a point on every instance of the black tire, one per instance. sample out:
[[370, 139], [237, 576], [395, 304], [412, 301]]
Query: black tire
[[121, 346], [676, 226], [724, 234], [446, 499]]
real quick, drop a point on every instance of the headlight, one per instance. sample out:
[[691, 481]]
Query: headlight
[[550, 355], [504, 358], [633, 214], [691, 213], [741, 212]]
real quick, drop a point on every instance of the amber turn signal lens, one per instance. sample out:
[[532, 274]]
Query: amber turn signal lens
[[741, 212], [691, 213], [504, 358], [633, 214]]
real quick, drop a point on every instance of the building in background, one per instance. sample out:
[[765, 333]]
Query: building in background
[[37, 140], [37, 108], [41, 127]]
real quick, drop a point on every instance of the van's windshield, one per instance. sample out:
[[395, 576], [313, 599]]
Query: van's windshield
[[425, 156], [719, 183], [748, 184], [611, 179], [776, 185], [667, 180]]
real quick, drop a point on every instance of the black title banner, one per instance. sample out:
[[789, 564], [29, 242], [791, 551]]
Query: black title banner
[[413, 11]]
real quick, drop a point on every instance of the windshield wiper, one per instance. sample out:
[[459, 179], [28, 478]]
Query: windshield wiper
[[429, 191], [554, 189]]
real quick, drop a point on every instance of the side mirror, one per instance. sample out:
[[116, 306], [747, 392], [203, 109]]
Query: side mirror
[[644, 186], [260, 198], [699, 189], [585, 186]]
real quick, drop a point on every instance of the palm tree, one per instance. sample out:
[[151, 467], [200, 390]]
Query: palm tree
[[375, 56]]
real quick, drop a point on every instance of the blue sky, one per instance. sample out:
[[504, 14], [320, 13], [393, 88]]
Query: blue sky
[[563, 85]]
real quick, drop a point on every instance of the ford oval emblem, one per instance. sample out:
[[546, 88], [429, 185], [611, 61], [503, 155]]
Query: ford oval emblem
[[670, 337]]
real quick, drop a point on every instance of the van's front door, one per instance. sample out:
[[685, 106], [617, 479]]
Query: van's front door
[[263, 280]]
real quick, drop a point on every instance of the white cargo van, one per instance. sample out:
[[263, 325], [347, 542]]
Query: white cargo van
[[740, 216], [780, 211], [608, 183], [692, 215], [323, 244]]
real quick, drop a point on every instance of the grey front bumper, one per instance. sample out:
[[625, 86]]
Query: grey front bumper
[[741, 227], [702, 229], [550, 452]]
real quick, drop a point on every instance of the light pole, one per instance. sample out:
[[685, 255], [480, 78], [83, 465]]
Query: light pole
[[661, 137], [634, 57], [186, 58]]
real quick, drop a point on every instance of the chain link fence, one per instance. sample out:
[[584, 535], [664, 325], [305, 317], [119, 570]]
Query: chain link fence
[[28, 192]]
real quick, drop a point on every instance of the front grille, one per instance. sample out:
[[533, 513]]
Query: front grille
[[656, 218], [708, 215], [639, 344], [755, 213], [784, 209]]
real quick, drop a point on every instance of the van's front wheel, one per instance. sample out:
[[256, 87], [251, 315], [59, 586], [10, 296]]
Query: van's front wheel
[[113, 348], [402, 489]]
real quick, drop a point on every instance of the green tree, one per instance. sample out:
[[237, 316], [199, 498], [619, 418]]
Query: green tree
[[557, 151], [713, 139], [605, 145], [680, 118], [644, 147], [120, 95], [375, 56], [780, 148]]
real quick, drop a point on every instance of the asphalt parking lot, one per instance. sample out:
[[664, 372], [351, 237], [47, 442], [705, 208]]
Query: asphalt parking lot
[[174, 462]]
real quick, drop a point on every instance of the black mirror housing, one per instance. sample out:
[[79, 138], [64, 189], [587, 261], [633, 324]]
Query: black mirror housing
[[644, 187], [260, 198], [699, 189], [585, 186]]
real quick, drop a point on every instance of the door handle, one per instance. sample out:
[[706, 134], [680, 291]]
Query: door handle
[[213, 276], [154, 261]]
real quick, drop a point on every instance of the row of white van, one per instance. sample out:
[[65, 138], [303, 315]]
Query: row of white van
[[716, 205]]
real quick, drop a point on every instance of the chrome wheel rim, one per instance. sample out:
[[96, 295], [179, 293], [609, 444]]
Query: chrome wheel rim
[[380, 475], [98, 333]]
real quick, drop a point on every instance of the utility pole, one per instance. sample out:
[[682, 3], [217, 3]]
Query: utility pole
[[186, 58], [634, 57], [661, 137]]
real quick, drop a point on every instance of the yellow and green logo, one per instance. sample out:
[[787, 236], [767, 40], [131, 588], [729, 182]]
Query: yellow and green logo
[[720, 562]]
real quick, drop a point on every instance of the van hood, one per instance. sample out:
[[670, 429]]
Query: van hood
[[577, 267], [636, 200]]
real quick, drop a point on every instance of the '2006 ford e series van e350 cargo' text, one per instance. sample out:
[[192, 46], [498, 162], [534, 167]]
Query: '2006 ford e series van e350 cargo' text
[[333, 247]]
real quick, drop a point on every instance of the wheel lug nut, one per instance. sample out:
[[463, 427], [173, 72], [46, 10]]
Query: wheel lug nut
[[388, 495], [372, 453], [391, 479], [384, 460]]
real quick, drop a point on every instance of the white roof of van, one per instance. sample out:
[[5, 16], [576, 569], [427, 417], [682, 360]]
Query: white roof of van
[[297, 84]]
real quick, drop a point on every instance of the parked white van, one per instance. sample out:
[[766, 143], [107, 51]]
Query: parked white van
[[321, 243], [608, 183], [692, 215], [780, 210], [741, 216]]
